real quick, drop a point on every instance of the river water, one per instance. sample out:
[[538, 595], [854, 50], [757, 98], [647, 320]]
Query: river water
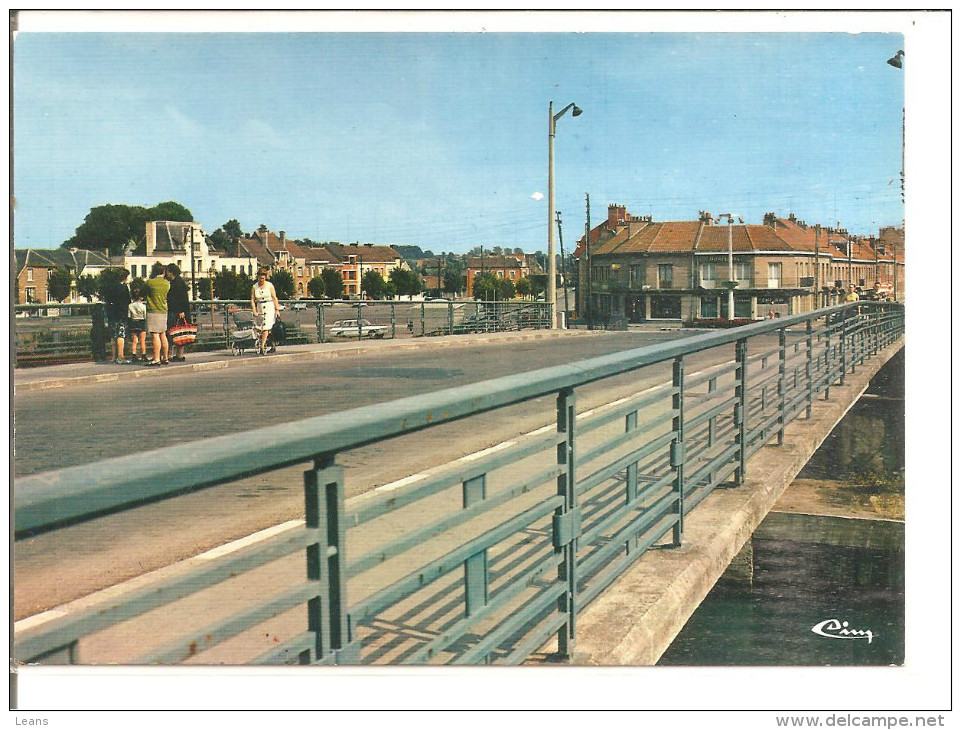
[[822, 582]]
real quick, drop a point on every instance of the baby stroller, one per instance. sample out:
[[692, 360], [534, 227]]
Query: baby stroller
[[242, 335]]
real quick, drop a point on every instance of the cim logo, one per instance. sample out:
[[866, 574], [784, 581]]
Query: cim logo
[[834, 629]]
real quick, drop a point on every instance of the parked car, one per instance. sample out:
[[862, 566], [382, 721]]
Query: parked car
[[350, 327], [298, 306]]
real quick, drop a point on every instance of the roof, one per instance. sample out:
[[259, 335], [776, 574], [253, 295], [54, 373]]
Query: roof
[[60, 258], [171, 235], [510, 261], [368, 251]]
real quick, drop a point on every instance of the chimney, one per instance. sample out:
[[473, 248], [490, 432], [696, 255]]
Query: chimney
[[705, 217], [791, 217], [283, 239], [770, 219], [616, 214]]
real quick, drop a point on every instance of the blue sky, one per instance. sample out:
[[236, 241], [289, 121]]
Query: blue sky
[[440, 139]]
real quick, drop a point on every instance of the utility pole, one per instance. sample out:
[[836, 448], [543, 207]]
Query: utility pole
[[560, 239], [587, 242], [193, 267]]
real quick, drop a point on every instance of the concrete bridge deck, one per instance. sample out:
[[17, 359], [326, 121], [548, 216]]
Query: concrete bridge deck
[[636, 618]]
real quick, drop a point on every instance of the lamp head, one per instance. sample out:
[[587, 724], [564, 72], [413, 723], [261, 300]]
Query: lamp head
[[576, 111], [896, 60]]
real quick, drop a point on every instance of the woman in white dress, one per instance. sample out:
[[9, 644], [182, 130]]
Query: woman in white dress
[[263, 302]]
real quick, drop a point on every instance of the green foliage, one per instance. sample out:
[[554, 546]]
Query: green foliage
[[232, 228], [538, 283], [374, 285], [453, 281], [112, 226], [170, 211], [488, 288], [219, 239], [283, 282], [412, 253], [58, 284], [316, 287], [524, 287], [231, 285], [333, 283], [485, 287], [406, 282], [88, 286]]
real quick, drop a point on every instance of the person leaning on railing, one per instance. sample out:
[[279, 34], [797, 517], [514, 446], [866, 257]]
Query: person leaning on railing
[[156, 295]]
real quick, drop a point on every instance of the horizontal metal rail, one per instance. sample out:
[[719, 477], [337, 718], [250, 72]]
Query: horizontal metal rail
[[533, 547]]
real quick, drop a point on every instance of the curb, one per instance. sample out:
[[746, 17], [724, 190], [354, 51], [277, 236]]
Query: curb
[[317, 352]]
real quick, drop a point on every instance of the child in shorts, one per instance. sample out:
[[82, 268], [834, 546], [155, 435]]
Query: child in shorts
[[137, 313]]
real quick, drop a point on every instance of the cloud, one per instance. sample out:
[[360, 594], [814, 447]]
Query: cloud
[[538, 196]]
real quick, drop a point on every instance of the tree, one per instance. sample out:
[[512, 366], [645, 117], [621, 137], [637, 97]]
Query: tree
[[232, 229], [88, 286], [452, 281], [219, 239], [283, 282], [538, 283], [373, 284], [112, 226], [524, 286], [485, 287], [58, 284], [231, 285], [170, 211], [333, 283], [406, 282], [316, 287], [505, 288]]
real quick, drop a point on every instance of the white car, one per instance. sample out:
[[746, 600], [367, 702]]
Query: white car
[[298, 305], [350, 328]]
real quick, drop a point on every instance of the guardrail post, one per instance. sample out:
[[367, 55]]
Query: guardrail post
[[781, 382], [320, 323], [630, 424], [677, 446], [393, 321], [475, 567], [711, 425], [844, 345], [828, 360], [566, 522], [740, 410], [327, 611], [360, 327], [450, 318], [423, 324], [809, 368]]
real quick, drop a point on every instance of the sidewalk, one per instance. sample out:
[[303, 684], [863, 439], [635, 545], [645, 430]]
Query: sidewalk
[[60, 376]]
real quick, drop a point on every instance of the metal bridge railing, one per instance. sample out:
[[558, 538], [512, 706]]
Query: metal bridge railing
[[54, 333], [484, 560]]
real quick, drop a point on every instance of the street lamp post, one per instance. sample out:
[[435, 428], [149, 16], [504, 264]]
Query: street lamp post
[[730, 263], [551, 263], [897, 61]]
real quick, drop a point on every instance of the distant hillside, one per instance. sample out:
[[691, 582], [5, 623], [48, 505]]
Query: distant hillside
[[412, 253]]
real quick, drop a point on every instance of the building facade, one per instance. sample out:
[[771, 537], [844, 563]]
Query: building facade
[[640, 269]]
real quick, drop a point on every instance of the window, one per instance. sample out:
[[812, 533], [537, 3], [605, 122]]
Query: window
[[29, 274], [31, 292], [709, 272], [774, 275], [665, 276], [637, 276], [709, 308], [742, 271], [300, 271]]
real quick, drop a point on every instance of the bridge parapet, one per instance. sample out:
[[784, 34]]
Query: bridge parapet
[[483, 560]]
